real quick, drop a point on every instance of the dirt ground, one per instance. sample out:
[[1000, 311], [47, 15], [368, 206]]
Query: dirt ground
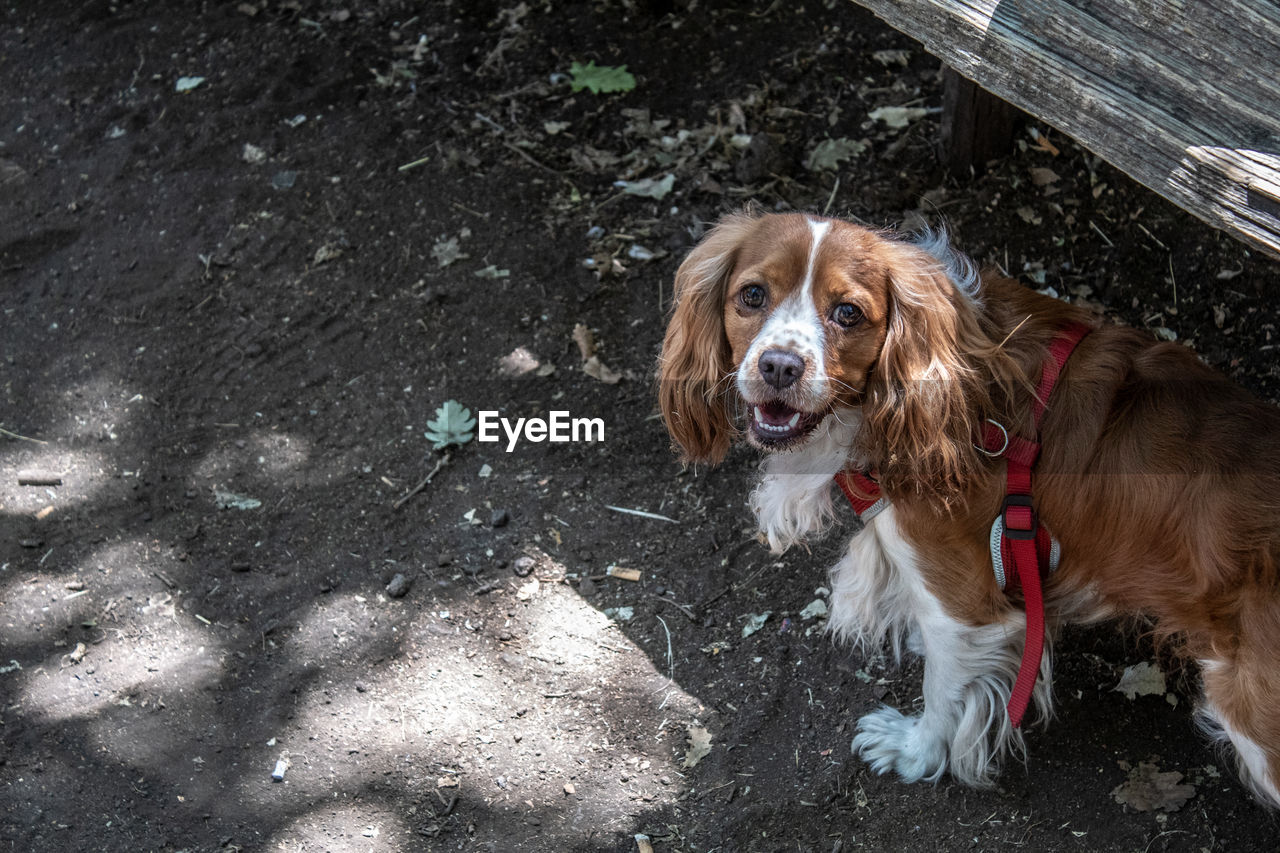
[[229, 308]]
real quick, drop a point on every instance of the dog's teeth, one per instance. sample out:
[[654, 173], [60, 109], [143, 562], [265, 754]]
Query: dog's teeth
[[759, 417], [795, 419]]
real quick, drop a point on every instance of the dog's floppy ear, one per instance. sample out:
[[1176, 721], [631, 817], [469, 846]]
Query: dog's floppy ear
[[693, 376], [923, 395]]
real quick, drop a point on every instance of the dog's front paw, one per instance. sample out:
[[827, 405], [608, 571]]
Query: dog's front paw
[[889, 741]]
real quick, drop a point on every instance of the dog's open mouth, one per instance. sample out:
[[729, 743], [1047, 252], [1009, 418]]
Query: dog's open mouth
[[774, 424]]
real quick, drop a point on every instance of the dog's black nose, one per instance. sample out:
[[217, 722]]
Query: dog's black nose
[[780, 368]]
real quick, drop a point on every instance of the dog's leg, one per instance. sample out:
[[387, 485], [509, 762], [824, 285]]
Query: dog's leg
[[1230, 714], [969, 671], [968, 674]]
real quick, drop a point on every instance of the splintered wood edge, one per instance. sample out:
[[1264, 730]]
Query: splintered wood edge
[[1184, 144]]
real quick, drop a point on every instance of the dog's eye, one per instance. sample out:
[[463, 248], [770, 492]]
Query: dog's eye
[[847, 315], [752, 296]]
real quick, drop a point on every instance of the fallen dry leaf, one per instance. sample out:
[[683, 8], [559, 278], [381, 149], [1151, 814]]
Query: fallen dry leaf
[[518, 362], [892, 57], [755, 621], [897, 117], [1141, 679], [1041, 176], [448, 251], [699, 746], [585, 340], [326, 253], [1147, 789], [597, 369]]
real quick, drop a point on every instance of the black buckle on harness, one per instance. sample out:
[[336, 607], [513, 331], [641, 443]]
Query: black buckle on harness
[[1018, 533]]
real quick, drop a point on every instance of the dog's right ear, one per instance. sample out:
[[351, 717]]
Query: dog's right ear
[[694, 375]]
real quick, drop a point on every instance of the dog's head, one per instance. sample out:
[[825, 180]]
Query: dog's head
[[796, 317]]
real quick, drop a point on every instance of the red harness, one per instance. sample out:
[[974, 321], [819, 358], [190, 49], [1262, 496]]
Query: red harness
[[1023, 543]]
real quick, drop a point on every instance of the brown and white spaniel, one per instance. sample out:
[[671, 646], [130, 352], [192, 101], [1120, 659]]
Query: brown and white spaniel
[[838, 349]]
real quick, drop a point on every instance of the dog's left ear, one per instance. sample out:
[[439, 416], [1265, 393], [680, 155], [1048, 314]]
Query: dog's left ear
[[923, 395]]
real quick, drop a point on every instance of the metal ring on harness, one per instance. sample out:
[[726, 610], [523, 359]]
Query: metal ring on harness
[[997, 558], [872, 511], [995, 453]]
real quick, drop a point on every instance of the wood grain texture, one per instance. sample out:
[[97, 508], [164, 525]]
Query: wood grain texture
[[1183, 95]]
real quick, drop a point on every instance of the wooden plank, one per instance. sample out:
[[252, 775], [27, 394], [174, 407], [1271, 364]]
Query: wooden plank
[[1183, 95]]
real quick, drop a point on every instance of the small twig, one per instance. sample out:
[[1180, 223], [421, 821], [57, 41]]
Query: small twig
[[4, 431], [167, 582], [493, 124], [1154, 238], [671, 658], [529, 157], [440, 463], [1104, 237], [831, 198], [683, 608], [641, 513], [407, 166]]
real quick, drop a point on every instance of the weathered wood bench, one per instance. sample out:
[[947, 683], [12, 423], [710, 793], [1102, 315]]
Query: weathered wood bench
[[1183, 95]]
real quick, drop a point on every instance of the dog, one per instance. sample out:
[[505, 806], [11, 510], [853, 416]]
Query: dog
[[891, 369]]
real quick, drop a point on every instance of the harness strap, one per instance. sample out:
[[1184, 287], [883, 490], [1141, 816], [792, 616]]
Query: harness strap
[[1024, 547], [1022, 525], [863, 493]]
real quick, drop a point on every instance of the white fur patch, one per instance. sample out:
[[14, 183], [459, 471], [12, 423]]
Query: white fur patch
[[793, 501]]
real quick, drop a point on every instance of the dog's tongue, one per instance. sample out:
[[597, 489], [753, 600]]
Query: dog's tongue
[[776, 421], [776, 414]]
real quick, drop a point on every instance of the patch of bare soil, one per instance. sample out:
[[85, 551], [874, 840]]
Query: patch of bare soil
[[232, 303]]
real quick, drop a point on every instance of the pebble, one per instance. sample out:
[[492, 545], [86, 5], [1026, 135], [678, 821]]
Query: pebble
[[586, 587], [499, 518], [398, 587], [523, 566]]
